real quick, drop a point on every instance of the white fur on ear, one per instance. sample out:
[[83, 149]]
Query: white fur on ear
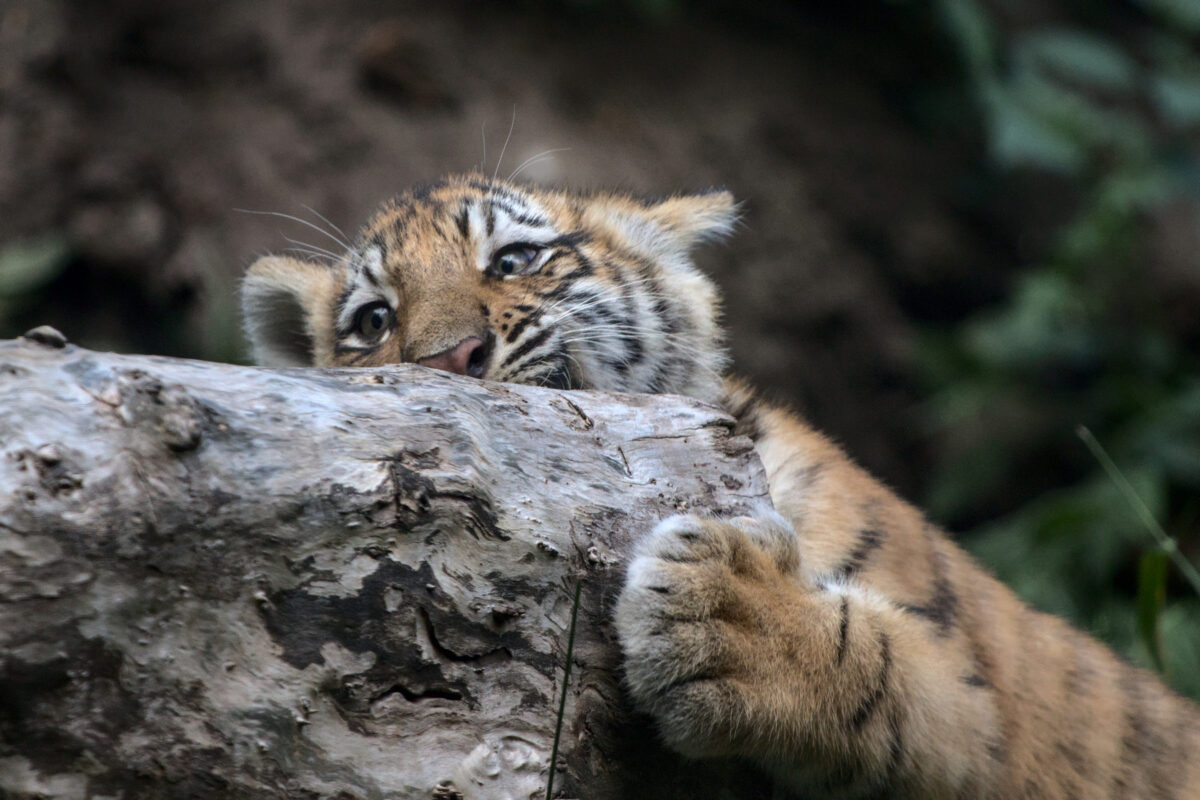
[[287, 311], [671, 227], [696, 218]]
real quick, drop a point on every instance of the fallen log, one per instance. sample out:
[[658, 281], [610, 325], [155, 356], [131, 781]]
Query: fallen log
[[224, 582]]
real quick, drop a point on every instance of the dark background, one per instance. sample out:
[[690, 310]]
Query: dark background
[[970, 227]]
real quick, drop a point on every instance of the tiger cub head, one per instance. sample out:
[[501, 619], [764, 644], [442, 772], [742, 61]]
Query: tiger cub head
[[508, 283]]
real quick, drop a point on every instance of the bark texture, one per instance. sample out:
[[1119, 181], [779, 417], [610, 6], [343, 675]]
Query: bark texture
[[220, 581]]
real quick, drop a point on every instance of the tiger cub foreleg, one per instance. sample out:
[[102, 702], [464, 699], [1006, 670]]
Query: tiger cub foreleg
[[733, 652]]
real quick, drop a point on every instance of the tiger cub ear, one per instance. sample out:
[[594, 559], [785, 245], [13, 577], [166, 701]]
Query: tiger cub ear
[[687, 220], [696, 218], [287, 311]]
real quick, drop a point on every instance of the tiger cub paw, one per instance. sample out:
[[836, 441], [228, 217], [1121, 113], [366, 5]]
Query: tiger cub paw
[[700, 621]]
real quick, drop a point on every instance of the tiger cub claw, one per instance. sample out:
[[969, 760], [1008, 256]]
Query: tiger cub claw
[[695, 619]]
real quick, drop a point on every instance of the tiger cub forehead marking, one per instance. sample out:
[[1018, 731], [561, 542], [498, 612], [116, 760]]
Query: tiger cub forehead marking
[[371, 263], [368, 266], [496, 220], [463, 210], [370, 282]]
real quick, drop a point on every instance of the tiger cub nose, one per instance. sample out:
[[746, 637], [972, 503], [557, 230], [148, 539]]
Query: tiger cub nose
[[468, 357]]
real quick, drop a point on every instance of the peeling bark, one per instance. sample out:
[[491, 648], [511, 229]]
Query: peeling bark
[[220, 581]]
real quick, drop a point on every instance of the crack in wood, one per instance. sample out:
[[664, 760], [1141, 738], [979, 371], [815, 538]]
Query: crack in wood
[[428, 693], [426, 629], [588, 424]]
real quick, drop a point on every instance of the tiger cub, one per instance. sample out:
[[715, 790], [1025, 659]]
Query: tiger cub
[[844, 643]]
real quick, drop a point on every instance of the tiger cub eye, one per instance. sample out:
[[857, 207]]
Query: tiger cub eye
[[373, 319], [514, 259]]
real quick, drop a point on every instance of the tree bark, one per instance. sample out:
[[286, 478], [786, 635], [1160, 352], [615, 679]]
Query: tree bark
[[225, 582]]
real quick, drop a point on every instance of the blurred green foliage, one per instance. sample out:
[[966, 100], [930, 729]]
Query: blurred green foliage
[[45, 280], [27, 265], [1081, 339]]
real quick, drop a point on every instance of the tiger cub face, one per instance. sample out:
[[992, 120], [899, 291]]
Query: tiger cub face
[[508, 283]]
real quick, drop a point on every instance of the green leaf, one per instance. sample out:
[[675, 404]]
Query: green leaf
[[1018, 135], [1045, 323], [1183, 14], [1177, 98], [1079, 57], [972, 31], [1151, 597], [28, 264], [1180, 627]]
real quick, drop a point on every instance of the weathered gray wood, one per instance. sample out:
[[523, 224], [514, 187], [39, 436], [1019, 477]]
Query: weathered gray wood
[[220, 581]]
